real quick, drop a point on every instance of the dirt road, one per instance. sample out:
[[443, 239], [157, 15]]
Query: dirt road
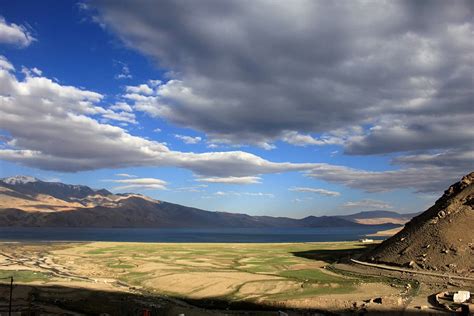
[[385, 267]]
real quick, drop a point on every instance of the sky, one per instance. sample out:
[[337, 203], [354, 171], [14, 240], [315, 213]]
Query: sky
[[283, 108]]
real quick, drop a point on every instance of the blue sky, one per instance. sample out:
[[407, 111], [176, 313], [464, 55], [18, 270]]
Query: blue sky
[[227, 107]]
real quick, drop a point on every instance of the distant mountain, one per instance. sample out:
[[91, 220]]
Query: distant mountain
[[379, 217], [30, 202], [32, 186]]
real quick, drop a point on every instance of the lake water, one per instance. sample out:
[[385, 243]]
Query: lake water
[[258, 235]]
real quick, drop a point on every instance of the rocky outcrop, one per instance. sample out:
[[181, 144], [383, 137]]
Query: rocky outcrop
[[440, 239]]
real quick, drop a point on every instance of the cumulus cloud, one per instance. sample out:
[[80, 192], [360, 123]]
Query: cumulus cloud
[[11, 33], [188, 139], [399, 71], [315, 190], [48, 124], [140, 89], [121, 106], [368, 204], [5, 64], [140, 183], [120, 116], [231, 180]]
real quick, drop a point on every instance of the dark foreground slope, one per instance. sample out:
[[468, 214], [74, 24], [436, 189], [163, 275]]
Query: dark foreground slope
[[441, 238]]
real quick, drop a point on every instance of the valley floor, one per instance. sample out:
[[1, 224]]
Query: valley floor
[[197, 278]]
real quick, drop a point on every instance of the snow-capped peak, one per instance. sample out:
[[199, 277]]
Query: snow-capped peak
[[19, 180]]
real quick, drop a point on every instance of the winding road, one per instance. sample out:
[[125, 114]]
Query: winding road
[[385, 267]]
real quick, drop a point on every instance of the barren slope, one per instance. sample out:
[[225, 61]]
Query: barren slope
[[441, 238]]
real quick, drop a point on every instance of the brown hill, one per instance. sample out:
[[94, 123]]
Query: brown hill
[[441, 238]]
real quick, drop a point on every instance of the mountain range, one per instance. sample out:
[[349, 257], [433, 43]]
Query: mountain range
[[29, 202]]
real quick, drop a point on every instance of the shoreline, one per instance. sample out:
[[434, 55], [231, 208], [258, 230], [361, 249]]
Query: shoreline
[[185, 235]]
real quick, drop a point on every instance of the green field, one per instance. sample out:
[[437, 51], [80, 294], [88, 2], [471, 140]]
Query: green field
[[258, 273], [225, 271], [24, 276]]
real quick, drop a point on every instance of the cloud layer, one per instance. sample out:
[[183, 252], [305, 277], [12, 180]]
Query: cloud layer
[[427, 178], [47, 124], [389, 76], [315, 190], [368, 204], [231, 180], [140, 183]]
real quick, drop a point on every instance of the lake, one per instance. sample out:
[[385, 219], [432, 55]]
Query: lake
[[210, 235]]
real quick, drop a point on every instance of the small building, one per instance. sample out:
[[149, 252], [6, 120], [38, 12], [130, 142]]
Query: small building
[[461, 296]]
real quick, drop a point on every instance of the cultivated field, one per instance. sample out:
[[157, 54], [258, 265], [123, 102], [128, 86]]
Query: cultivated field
[[283, 275]]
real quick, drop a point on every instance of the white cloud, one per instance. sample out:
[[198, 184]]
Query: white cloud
[[315, 190], [231, 180], [14, 34], [368, 204], [5, 64], [55, 127], [140, 89], [235, 193], [51, 127], [120, 116], [143, 181], [124, 71], [122, 106], [188, 139], [125, 175], [140, 183], [37, 71], [124, 74]]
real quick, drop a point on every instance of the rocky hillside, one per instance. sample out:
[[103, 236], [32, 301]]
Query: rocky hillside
[[440, 239], [29, 202]]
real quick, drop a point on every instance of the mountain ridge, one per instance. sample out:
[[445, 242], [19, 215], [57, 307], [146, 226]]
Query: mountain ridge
[[36, 203]]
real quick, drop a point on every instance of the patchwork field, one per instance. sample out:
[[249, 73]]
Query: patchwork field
[[287, 275]]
